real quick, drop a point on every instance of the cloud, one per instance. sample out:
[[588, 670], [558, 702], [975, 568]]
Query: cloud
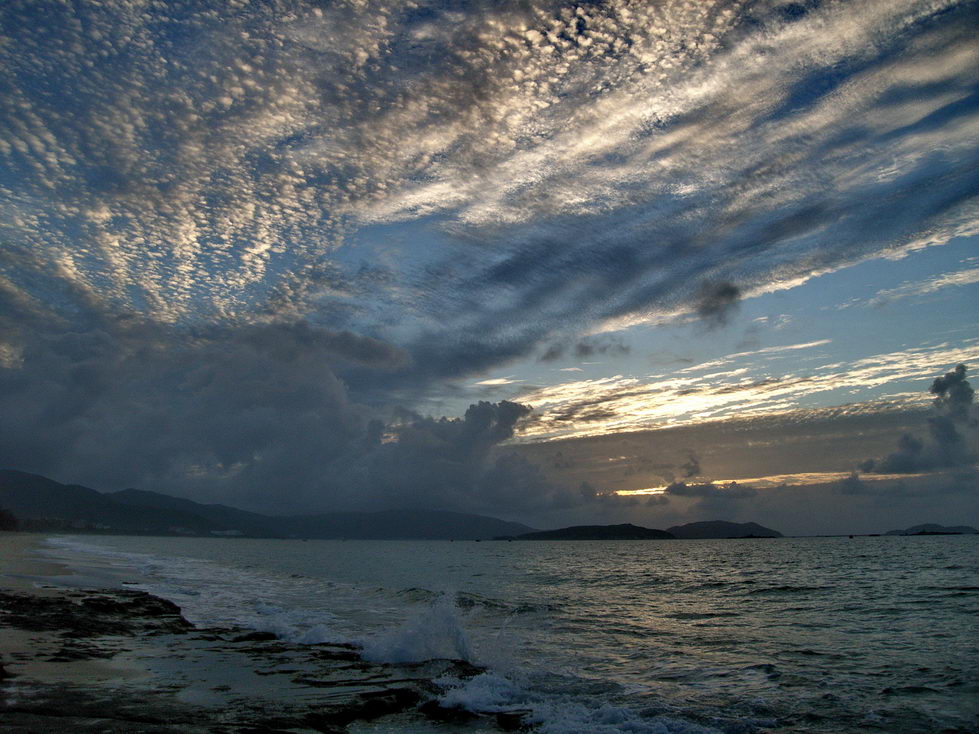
[[740, 385], [967, 276], [240, 414], [564, 166], [448, 463], [497, 382], [258, 415], [951, 432], [604, 345], [691, 468], [716, 301], [709, 490], [953, 396], [235, 238], [712, 500]]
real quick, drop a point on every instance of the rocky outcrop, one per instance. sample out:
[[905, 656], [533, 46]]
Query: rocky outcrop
[[238, 680]]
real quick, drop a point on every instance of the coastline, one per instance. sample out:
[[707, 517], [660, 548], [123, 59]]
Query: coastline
[[120, 660], [18, 569]]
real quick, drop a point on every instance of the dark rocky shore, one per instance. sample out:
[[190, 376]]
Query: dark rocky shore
[[166, 675]]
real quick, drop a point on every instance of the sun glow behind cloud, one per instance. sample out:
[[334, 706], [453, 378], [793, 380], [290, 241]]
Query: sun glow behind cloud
[[733, 386], [774, 481]]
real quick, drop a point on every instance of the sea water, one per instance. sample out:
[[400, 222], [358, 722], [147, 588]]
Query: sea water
[[791, 634]]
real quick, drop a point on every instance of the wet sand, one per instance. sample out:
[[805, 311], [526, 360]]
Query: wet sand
[[120, 660], [18, 569]]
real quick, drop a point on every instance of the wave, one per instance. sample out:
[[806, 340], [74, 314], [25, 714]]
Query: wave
[[431, 632]]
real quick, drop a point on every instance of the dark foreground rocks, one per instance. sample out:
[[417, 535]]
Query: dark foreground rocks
[[126, 661]]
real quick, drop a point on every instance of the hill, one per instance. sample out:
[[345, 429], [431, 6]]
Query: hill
[[933, 529], [44, 504], [597, 532], [220, 517], [722, 529]]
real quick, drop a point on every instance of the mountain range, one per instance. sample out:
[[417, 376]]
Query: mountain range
[[40, 503], [43, 504]]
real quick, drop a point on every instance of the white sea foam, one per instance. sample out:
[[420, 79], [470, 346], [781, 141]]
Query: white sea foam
[[212, 594], [553, 712], [432, 631], [485, 693]]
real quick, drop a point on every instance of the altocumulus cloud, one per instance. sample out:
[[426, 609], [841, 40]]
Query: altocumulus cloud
[[198, 202]]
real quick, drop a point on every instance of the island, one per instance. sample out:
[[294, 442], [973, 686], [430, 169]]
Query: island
[[716, 529], [626, 531], [933, 529]]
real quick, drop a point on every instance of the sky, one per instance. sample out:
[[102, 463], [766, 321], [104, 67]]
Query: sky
[[553, 262]]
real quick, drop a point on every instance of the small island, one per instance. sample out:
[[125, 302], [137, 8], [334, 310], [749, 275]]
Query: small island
[[626, 531], [933, 529], [721, 529], [708, 530]]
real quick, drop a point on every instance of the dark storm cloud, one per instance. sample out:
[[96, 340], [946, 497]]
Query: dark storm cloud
[[451, 463], [713, 501], [962, 480], [258, 415], [254, 412], [951, 437], [953, 396]]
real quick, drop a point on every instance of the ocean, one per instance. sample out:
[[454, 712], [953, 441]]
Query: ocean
[[766, 635]]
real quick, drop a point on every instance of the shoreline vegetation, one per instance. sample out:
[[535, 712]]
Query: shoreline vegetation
[[121, 660]]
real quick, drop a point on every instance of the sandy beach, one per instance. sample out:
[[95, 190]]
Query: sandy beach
[[120, 660], [17, 567]]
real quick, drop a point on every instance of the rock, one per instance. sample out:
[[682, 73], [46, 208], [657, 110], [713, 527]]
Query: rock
[[446, 714], [512, 720], [364, 707], [324, 687], [255, 637]]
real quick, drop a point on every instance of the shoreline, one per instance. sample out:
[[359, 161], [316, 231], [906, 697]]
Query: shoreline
[[120, 660]]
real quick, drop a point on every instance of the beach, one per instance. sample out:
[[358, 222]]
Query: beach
[[119, 660]]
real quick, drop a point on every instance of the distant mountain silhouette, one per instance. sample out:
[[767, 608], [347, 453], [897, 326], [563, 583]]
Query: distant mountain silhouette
[[933, 529], [220, 517], [597, 532], [43, 504], [722, 529], [407, 524]]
